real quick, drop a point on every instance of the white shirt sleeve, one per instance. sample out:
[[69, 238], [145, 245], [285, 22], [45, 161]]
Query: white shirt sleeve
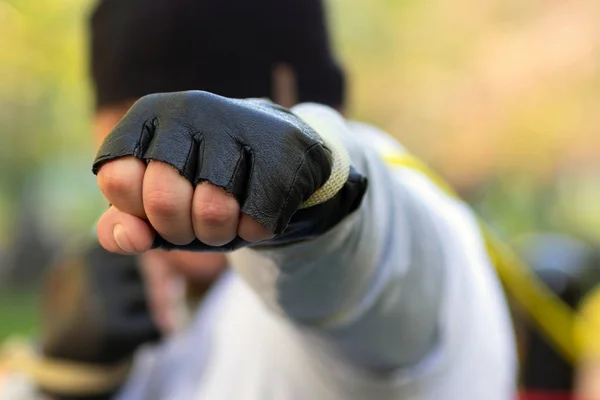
[[373, 286], [399, 301]]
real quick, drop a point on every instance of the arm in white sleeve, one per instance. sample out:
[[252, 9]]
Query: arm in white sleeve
[[373, 284]]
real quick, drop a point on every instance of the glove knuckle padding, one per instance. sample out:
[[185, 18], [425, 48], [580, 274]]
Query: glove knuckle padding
[[262, 154]]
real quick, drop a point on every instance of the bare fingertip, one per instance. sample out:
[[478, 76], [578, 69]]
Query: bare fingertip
[[122, 240], [137, 244]]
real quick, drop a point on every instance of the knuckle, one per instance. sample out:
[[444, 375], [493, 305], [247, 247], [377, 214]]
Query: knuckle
[[112, 182], [149, 99], [213, 213], [200, 95], [163, 203]]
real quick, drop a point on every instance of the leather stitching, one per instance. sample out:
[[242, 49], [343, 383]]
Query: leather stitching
[[147, 130], [288, 195]]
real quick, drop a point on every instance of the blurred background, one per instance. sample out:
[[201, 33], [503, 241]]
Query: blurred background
[[500, 96]]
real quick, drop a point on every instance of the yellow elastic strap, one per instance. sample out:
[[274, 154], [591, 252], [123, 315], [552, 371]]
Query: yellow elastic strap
[[552, 315], [587, 327], [63, 377], [555, 318]]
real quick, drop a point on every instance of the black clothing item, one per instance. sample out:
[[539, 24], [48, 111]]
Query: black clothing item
[[227, 47], [95, 311], [569, 268]]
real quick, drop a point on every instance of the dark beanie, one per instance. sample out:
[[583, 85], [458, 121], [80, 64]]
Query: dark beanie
[[228, 47]]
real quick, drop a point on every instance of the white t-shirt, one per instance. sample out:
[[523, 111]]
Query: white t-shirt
[[399, 301]]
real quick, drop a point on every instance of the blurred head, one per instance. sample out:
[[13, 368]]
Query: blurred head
[[278, 49]]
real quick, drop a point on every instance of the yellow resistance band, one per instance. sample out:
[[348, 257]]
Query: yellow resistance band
[[555, 318]]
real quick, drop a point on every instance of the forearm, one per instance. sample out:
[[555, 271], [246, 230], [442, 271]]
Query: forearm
[[367, 284]]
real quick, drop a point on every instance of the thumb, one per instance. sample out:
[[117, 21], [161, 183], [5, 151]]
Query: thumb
[[123, 233]]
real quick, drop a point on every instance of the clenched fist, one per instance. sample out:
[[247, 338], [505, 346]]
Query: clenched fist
[[196, 171]]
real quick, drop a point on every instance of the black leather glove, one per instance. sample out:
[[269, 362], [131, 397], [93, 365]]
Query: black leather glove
[[275, 165], [95, 312]]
